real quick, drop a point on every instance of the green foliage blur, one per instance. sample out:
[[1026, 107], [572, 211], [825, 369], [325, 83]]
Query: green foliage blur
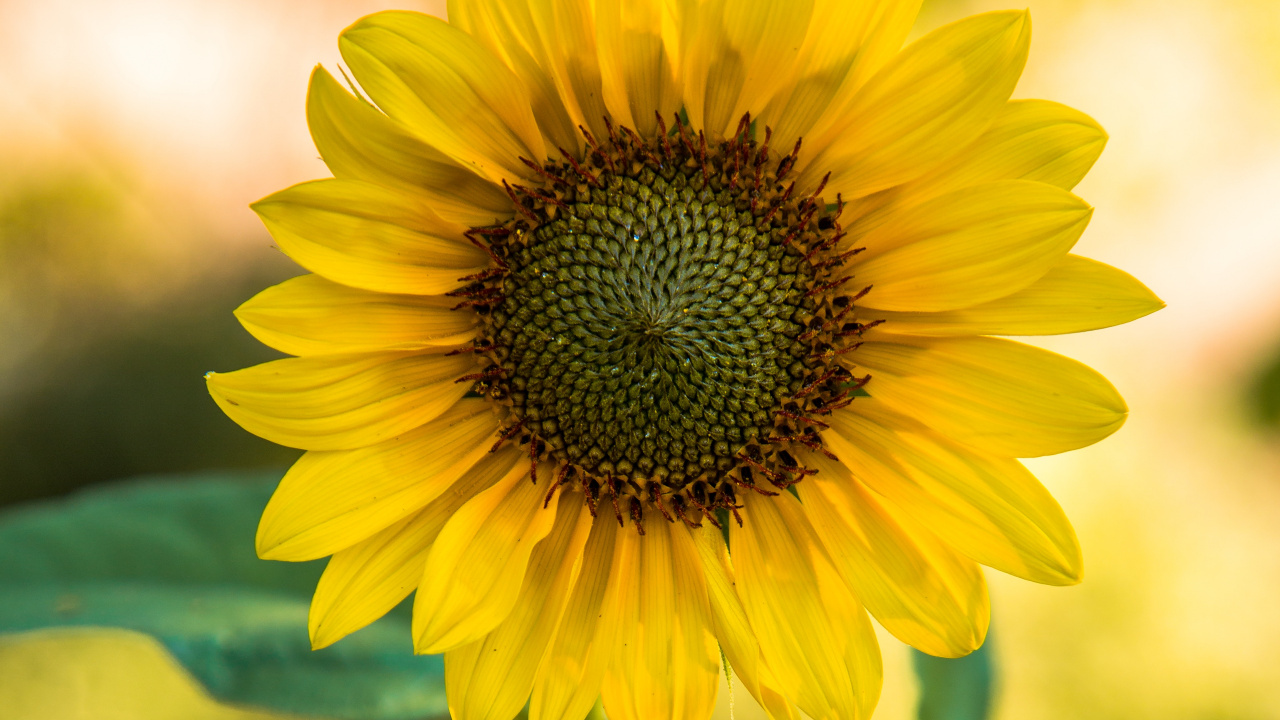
[[173, 557], [1264, 392], [104, 352]]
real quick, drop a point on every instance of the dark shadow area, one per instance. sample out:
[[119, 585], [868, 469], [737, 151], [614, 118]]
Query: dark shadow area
[[133, 401], [106, 331], [1263, 392]]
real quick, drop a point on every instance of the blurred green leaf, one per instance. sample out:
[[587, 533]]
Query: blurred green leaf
[[1264, 392], [108, 329], [85, 673], [177, 529], [955, 689], [173, 557], [131, 402]]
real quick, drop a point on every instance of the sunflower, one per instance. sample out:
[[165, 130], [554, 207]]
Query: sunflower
[[648, 337]]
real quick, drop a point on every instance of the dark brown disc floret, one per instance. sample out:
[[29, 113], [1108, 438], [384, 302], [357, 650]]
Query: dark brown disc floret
[[663, 318]]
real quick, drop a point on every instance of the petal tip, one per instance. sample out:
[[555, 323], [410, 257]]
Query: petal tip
[[267, 542], [265, 546], [1068, 572], [266, 551], [1016, 22], [322, 636]]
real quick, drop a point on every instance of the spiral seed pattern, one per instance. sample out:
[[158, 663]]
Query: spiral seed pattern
[[662, 321], [651, 328]]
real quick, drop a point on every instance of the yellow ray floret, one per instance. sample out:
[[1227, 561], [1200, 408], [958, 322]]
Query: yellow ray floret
[[363, 582], [917, 586]]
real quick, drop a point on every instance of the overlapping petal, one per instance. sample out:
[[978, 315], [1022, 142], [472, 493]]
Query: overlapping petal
[[733, 629], [925, 593], [507, 28], [638, 69], [811, 627], [997, 395], [1076, 295], [370, 237], [937, 95], [363, 582], [846, 43], [340, 402], [1028, 140], [483, 549], [359, 143], [664, 663], [987, 507], [491, 678], [737, 54], [446, 86], [568, 30], [330, 500], [310, 315], [568, 682], [1033, 140], [969, 246]]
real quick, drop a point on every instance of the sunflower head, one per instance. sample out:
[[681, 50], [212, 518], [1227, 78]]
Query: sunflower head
[[663, 319], [644, 336]]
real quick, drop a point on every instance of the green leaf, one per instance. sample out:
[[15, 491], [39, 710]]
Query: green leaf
[[173, 557], [179, 530], [955, 689]]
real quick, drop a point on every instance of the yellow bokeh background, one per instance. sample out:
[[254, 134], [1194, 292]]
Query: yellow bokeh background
[[137, 132]]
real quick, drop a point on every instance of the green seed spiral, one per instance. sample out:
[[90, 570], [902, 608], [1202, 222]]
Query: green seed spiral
[[662, 322], [651, 329]]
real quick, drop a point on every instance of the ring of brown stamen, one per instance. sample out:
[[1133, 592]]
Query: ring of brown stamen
[[565, 312]]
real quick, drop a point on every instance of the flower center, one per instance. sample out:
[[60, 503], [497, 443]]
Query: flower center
[[651, 328], [663, 320]]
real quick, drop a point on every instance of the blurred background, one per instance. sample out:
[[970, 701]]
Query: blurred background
[[134, 134]]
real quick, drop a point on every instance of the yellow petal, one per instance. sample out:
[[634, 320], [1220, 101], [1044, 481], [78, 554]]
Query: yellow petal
[[738, 53], [997, 395], [330, 500], [340, 402], [775, 704], [309, 315], [1029, 140], [847, 43], [989, 508], [491, 679], [370, 237], [969, 247], [363, 582], [1033, 140], [665, 664], [729, 619], [568, 35], [1076, 295], [476, 563], [731, 626], [568, 682], [637, 69], [816, 635], [936, 96], [446, 86], [928, 595], [508, 30], [359, 143]]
